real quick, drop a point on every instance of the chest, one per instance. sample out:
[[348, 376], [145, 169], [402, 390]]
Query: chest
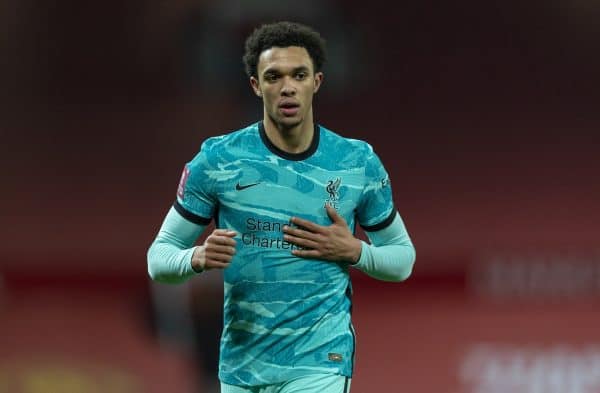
[[281, 189]]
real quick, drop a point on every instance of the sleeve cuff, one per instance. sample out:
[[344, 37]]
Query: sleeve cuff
[[364, 251], [196, 219], [188, 262]]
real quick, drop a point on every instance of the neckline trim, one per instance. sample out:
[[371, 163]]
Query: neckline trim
[[312, 148]]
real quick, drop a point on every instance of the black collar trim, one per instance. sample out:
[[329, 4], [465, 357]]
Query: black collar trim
[[314, 144]]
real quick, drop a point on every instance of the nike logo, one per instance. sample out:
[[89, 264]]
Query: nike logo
[[240, 187]]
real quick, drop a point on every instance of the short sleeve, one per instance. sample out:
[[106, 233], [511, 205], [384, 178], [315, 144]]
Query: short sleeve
[[196, 197], [376, 207]]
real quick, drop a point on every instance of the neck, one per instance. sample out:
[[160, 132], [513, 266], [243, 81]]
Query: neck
[[295, 139]]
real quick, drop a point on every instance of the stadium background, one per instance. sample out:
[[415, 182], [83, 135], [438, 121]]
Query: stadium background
[[485, 114]]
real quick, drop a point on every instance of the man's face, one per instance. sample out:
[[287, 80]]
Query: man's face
[[286, 82]]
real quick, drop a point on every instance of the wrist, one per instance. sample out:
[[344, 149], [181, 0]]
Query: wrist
[[197, 261], [356, 251]]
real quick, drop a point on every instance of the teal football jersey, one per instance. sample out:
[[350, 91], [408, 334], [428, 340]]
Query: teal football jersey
[[284, 316]]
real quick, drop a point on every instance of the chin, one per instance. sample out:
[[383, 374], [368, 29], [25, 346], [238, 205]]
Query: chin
[[290, 122]]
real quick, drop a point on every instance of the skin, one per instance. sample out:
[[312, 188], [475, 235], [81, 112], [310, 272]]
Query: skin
[[216, 252], [334, 242], [287, 76]]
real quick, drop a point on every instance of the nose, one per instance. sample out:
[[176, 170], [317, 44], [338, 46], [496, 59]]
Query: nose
[[288, 89]]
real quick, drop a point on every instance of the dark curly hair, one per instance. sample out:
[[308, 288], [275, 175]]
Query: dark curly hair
[[283, 34]]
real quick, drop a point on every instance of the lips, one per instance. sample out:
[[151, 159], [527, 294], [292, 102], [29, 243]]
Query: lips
[[289, 107]]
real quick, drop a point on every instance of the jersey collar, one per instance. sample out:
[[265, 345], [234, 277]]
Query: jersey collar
[[314, 144]]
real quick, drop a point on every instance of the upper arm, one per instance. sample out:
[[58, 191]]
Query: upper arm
[[178, 230], [196, 195], [376, 209], [393, 234]]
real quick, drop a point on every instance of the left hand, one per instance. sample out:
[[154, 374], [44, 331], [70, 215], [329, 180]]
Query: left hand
[[334, 243]]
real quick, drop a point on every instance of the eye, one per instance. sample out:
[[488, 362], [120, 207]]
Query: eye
[[271, 77], [301, 75]]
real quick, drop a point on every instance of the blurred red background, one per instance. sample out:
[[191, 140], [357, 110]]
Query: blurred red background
[[485, 115]]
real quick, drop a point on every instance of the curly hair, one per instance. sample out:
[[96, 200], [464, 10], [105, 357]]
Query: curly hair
[[283, 34]]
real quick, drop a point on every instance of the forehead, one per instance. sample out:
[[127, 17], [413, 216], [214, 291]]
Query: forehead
[[283, 58]]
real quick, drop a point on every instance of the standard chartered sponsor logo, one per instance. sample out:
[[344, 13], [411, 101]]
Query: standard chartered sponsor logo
[[559, 369], [266, 234]]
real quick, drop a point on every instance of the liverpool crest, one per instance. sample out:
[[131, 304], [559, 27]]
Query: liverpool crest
[[332, 188]]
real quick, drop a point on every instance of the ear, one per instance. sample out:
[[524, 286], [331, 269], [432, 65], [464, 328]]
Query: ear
[[318, 81], [255, 86]]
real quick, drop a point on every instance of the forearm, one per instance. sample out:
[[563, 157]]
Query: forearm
[[391, 254], [170, 255]]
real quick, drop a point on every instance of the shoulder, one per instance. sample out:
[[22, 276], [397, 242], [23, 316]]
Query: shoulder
[[235, 138], [357, 148], [216, 148]]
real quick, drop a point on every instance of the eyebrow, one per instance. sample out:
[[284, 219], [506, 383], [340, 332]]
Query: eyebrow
[[276, 71]]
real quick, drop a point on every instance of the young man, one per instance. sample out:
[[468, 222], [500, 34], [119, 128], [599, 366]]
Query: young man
[[286, 195]]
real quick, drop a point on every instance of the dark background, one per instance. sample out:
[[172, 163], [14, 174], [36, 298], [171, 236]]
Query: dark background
[[484, 113]]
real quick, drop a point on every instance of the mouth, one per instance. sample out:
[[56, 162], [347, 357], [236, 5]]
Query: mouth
[[289, 108]]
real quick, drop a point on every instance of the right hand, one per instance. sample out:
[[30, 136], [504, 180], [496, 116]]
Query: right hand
[[216, 252]]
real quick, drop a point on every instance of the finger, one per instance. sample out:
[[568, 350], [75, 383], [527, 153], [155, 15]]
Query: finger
[[311, 226], [334, 215], [217, 248], [224, 232], [215, 265], [307, 253], [300, 233], [298, 241], [222, 240], [215, 256]]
